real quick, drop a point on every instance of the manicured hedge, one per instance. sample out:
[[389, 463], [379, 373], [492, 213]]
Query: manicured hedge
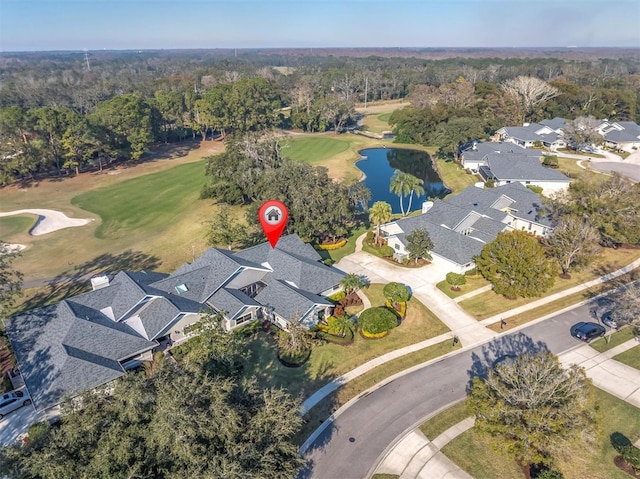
[[377, 320], [329, 247]]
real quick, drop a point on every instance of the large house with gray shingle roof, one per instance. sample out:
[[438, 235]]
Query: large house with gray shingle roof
[[623, 135], [506, 162], [461, 225], [90, 339], [530, 134]]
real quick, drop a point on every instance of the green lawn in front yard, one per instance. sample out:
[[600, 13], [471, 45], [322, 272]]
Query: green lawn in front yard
[[471, 285], [313, 150], [329, 361], [473, 452], [630, 357], [337, 254], [489, 303], [601, 345], [569, 167], [446, 419]]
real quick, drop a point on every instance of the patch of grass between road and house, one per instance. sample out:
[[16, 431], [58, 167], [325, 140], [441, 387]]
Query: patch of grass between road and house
[[385, 476], [473, 452], [337, 254], [329, 361], [471, 285], [630, 358], [488, 304], [562, 303], [622, 336], [318, 414], [570, 167], [439, 423]]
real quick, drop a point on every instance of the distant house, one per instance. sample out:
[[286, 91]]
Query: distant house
[[507, 163], [622, 135], [530, 134], [90, 339], [461, 225]]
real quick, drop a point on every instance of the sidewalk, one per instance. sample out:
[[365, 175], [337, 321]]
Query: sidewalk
[[561, 294], [413, 456], [469, 330]]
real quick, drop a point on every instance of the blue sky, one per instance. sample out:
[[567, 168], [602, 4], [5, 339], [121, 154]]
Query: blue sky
[[143, 24]]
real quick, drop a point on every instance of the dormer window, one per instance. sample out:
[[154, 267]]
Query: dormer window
[[182, 288]]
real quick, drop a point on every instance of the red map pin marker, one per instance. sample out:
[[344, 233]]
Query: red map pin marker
[[273, 216]]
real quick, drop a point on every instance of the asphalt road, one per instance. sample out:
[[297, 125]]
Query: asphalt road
[[630, 170], [351, 446]]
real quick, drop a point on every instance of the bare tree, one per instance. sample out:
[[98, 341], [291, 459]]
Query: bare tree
[[574, 243], [626, 302], [530, 91], [582, 131], [10, 279]]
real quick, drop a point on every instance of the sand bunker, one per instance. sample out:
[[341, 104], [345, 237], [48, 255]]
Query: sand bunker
[[49, 220]]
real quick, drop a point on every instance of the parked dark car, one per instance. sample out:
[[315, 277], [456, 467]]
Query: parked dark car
[[607, 320], [587, 331]]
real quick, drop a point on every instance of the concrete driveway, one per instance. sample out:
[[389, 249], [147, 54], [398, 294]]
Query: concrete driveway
[[16, 424]]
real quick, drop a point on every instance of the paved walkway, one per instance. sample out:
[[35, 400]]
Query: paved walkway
[[561, 294], [415, 457], [462, 325]]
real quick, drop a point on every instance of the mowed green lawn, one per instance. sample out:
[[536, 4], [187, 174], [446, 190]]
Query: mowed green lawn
[[313, 150], [473, 452], [147, 203], [14, 226]]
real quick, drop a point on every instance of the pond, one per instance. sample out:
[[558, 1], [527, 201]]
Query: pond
[[380, 163]]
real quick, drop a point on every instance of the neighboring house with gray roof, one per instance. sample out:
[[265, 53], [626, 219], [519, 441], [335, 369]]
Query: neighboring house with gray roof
[[506, 162], [623, 135], [506, 169], [461, 225], [529, 134], [92, 338]]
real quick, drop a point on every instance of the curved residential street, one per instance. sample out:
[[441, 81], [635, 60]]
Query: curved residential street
[[357, 438]]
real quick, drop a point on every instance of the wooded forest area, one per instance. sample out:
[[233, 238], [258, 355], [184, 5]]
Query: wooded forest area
[[67, 112]]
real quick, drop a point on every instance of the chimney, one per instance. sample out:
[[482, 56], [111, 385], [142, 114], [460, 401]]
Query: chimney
[[426, 206], [99, 282]]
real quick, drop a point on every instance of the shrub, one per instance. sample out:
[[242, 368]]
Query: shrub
[[405, 261], [400, 309], [377, 320], [535, 188], [550, 161], [337, 296], [329, 247], [631, 454], [38, 431], [371, 237], [386, 251], [395, 292], [549, 474], [372, 335], [455, 279], [490, 183]]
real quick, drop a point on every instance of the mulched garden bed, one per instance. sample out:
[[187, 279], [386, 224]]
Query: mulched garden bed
[[339, 340], [626, 467], [294, 362]]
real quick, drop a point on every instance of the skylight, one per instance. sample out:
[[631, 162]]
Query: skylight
[[182, 288]]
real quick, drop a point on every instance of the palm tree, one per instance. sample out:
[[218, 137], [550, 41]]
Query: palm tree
[[379, 213], [341, 325], [399, 185], [415, 184], [351, 282]]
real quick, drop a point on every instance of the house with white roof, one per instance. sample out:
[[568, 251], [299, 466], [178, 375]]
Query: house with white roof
[[459, 226]]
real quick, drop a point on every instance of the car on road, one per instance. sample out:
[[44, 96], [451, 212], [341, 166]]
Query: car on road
[[607, 320], [13, 400], [587, 331]]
